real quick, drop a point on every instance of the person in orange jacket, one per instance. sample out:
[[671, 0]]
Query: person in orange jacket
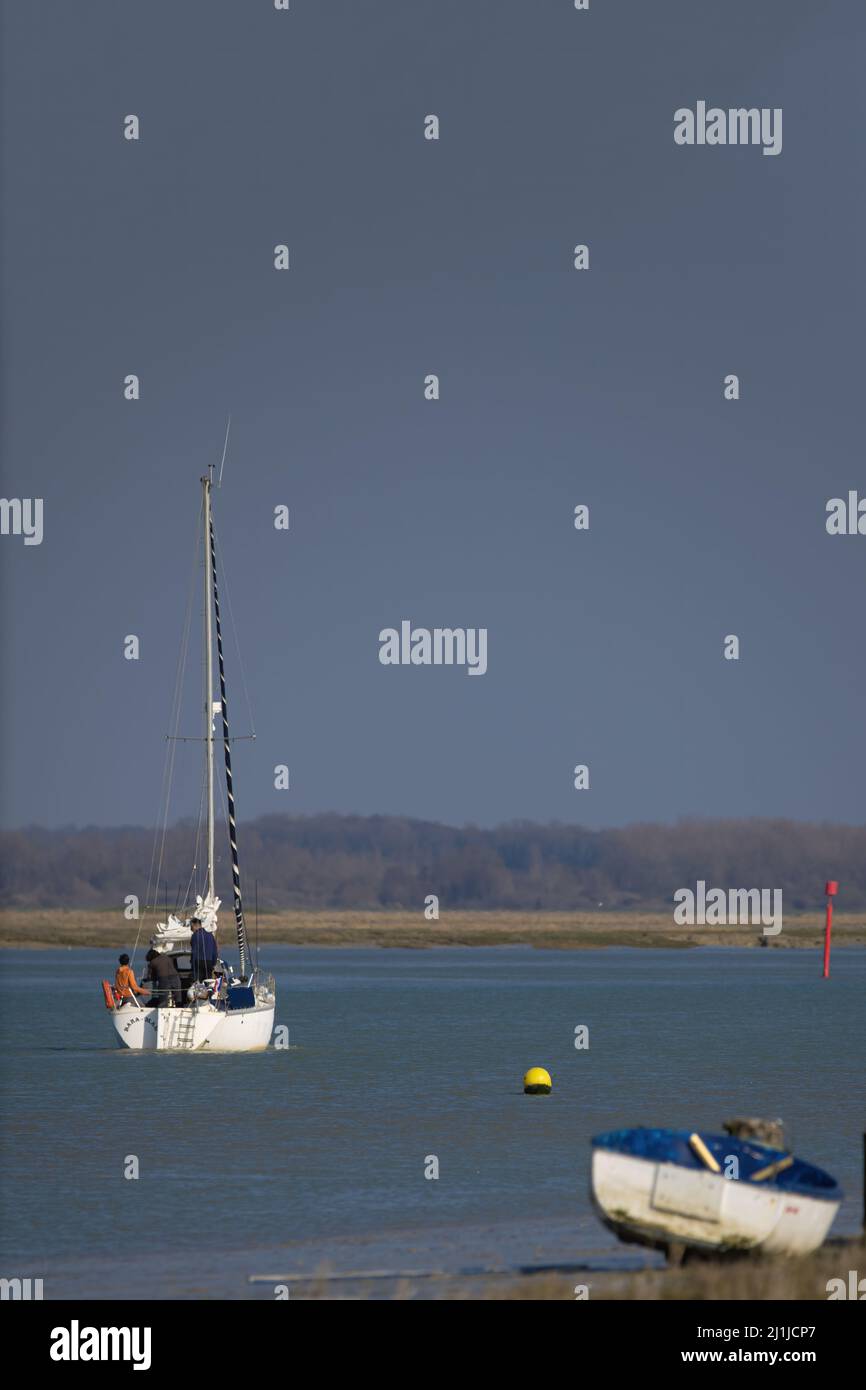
[[125, 984]]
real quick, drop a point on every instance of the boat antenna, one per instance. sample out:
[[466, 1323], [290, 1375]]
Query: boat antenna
[[225, 451]]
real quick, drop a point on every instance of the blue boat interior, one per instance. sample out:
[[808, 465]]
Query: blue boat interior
[[240, 997], [672, 1146]]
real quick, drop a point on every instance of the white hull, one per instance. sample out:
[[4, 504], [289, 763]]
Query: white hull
[[654, 1203], [201, 1028]]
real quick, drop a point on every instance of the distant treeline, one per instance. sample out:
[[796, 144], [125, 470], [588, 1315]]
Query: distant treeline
[[332, 861]]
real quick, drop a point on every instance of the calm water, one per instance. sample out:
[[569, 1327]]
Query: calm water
[[316, 1153]]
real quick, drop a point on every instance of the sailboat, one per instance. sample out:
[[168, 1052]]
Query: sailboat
[[226, 1011]]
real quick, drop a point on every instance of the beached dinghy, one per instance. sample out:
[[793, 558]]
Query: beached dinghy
[[668, 1188], [226, 1011]]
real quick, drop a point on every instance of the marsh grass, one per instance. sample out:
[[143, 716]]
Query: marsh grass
[[46, 927], [748, 1278]]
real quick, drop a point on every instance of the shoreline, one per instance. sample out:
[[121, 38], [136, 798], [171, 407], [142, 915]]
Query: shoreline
[[752, 1279], [106, 929], [617, 1275]]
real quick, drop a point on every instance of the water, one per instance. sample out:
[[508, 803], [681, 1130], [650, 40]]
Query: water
[[316, 1155]]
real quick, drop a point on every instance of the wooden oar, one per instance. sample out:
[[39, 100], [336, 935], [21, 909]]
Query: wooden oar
[[772, 1169], [699, 1147]]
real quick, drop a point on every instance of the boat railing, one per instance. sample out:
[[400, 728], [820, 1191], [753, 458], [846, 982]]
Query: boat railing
[[263, 986]]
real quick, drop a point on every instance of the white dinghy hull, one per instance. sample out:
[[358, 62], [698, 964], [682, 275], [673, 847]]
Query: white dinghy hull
[[719, 1215], [660, 1197]]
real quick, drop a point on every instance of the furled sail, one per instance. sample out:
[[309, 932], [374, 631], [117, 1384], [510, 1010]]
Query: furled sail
[[243, 949]]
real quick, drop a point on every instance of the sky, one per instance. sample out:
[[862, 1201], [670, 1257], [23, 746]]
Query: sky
[[559, 387]]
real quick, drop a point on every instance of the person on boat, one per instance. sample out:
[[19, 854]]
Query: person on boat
[[125, 983], [203, 950], [164, 981]]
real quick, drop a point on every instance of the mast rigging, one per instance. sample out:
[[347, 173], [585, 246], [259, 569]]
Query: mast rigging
[[243, 948]]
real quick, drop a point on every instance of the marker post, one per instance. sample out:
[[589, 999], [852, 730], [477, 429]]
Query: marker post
[[831, 888]]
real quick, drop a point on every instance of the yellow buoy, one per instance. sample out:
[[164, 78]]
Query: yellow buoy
[[537, 1082]]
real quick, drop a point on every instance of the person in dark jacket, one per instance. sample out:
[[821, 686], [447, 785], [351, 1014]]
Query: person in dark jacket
[[164, 981], [203, 951]]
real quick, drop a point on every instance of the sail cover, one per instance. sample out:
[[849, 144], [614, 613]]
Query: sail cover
[[177, 932]]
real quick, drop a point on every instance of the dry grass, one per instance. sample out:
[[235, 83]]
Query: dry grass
[[749, 1278], [38, 927], [704, 1279]]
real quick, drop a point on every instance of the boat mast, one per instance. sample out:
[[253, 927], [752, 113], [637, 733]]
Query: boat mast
[[243, 949], [208, 680]]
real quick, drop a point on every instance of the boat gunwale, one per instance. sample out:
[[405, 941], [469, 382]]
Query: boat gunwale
[[678, 1153]]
